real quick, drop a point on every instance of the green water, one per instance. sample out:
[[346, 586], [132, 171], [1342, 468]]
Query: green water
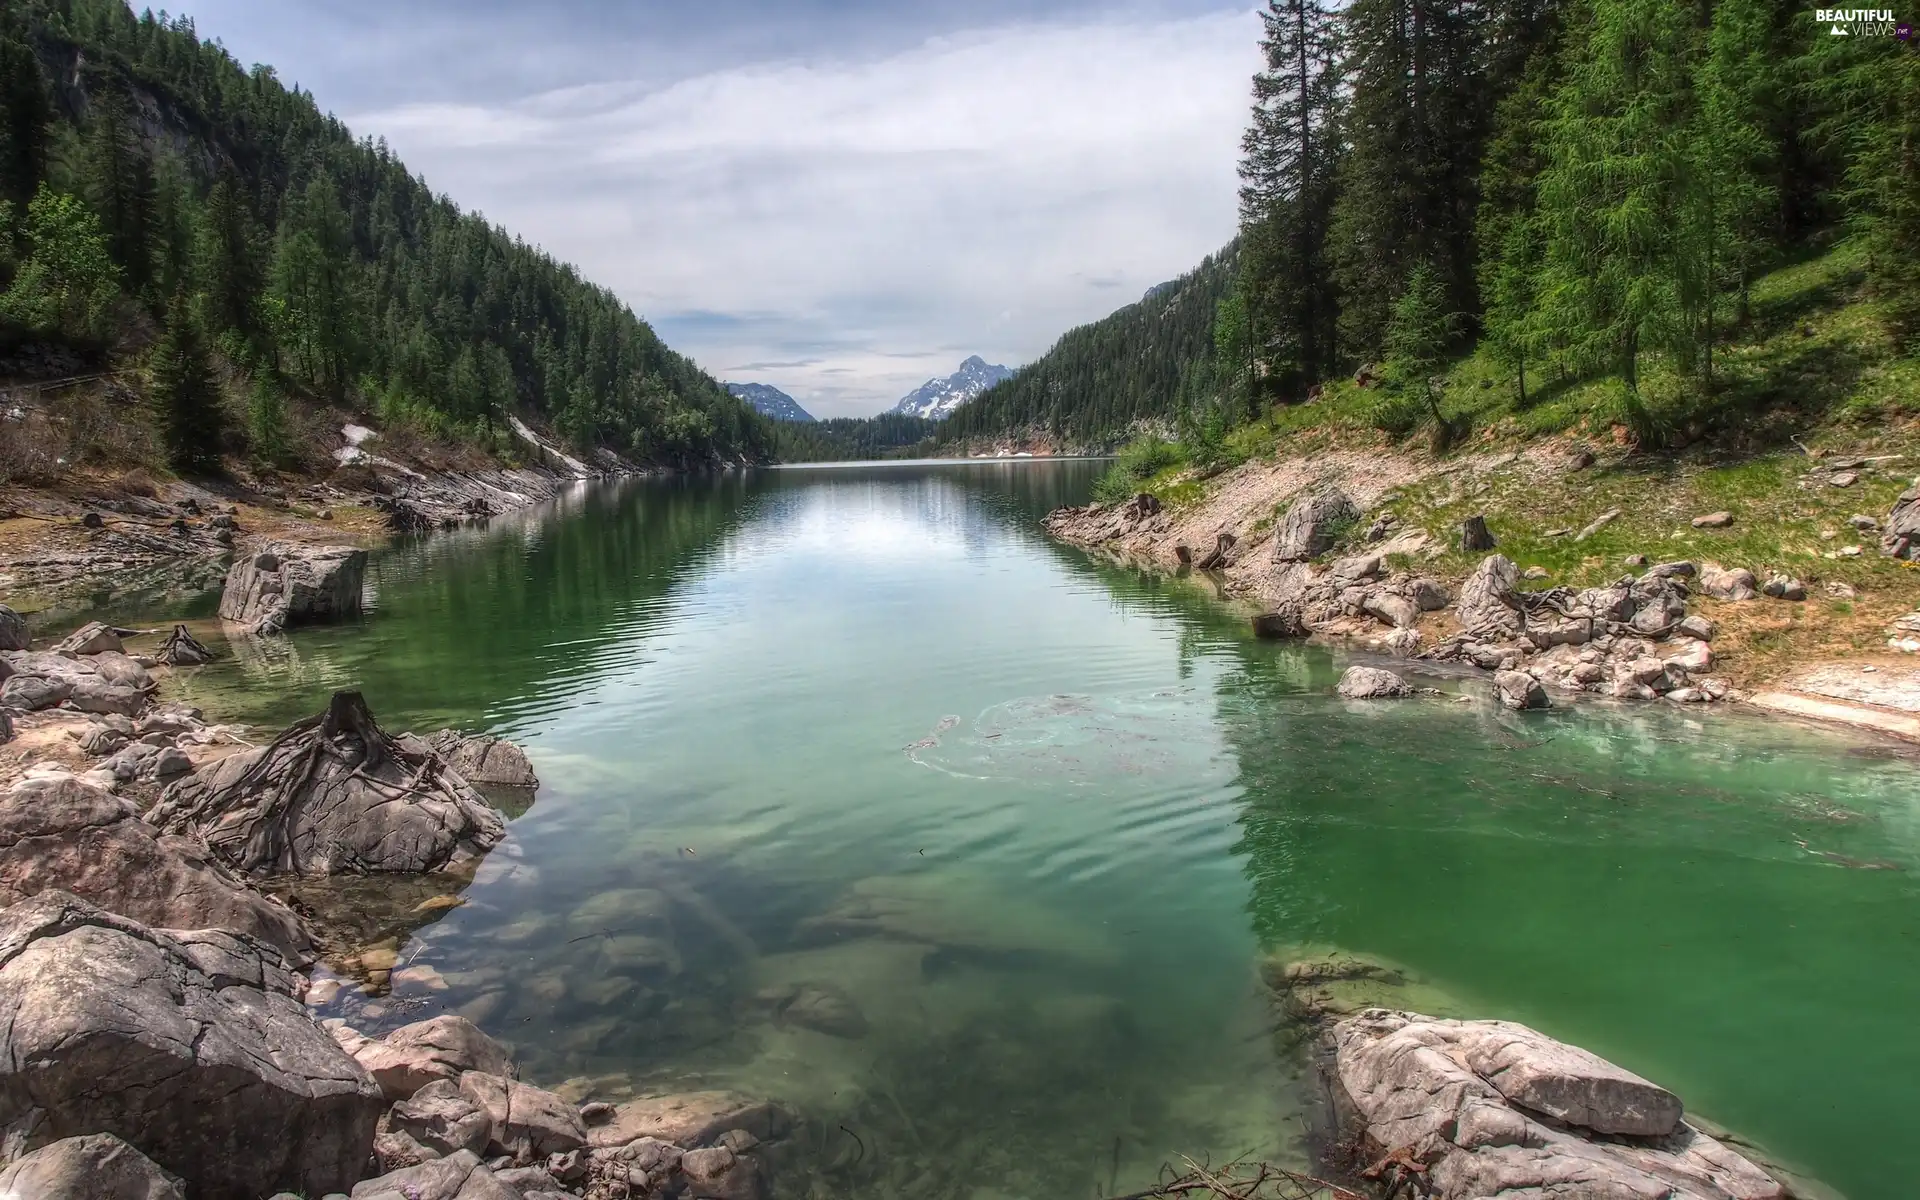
[[1037, 816]]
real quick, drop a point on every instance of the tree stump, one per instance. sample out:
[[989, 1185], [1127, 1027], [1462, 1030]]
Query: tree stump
[[1218, 558], [1474, 534], [182, 649]]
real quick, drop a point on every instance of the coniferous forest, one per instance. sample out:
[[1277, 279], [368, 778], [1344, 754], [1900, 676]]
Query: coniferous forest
[[158, 198], [1575, 192]]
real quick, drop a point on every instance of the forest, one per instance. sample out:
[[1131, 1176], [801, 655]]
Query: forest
[[160, 203], [848, 439], [1578, 194]]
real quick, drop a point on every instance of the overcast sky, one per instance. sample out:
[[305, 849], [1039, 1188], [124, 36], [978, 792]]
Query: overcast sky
[[841, 198]]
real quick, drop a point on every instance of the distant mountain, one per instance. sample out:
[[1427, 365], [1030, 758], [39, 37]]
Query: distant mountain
[[937, 398], [1159, 289], [771, 401]]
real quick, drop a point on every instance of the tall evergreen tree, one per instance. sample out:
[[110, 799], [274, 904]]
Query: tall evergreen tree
[[313, 281], [26, 110], [186, 393], [227, 260], [1508, 229], [1289, 155], [119, 183]]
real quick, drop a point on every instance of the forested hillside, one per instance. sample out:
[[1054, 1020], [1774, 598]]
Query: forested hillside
[[1578, 195], [161, 204], [1149, 360], [847, 439]]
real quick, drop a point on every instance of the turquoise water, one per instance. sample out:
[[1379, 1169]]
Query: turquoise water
[[862, 729]]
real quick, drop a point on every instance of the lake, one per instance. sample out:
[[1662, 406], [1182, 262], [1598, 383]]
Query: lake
[[1016, 827]]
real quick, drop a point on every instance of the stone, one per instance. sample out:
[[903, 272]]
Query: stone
[[1645, 670], [1843, 479], [1840, 589], [459, 1176], [1285, 622], [691, 1119], [568, 1166], [1784, 587], [1635, 560], [31, 693], [486, 760], [91, 638], [1597, 524], [438, 1049], [1428, 595], [1864, 523], [1695, 657], [1401, 643], [96, 1166], [101, 740], [284, 584], [717, 1173], [1673, 570], [1311, 524], [1713, 520], [528, 1123], [1696, 627], [190, 1046], [1458, 1100], [1519, 690], [1536, 573], [93, 694], [1489, 606], [1723, 584], [62, 834], [440, 1118], [1389, 609], [13, 630], [171, 761], [528, 1181], [1900, 534], [823, 1007], [118, 669], [333, 795], [1355, 568], [1372, 683]]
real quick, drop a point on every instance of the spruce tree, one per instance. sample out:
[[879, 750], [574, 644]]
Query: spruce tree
[[186, 394], [1508, 229], [119, 184], [26, 109], [227, 260], [1419, 335]]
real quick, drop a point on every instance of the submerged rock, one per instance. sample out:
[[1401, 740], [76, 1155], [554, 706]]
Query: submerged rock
[[1517, 689], [1372, 683], [1479, 1108], [691, 1119], [284, 584], [438, 1049], [484, 759], [334, 795], [190, 1046], [59, 833], [822, 1007]]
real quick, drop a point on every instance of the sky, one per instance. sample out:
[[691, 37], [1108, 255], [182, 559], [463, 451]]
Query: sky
[[842, 199]]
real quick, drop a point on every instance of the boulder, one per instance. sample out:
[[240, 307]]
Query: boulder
[[1428, 595], [438, 1049], [1311, 524], [58, 833], [823, 1007], [94, 694], [13, 630], [1784, 587], [97, 1166], [1372, 683], [442, 1119], [1519, 690], [285, 584], [1489, 602], [527, 1123], [1482, 1108], [334, 795], [121, 671], [460, 1176], [1724, 584], [1389, 609], [717, 1173], [91, 638], [190, 1046], [1900, 532], [1286, 621], [483, 759], [691, 1119], [1713, 520], [1696, 627], [30, 693]]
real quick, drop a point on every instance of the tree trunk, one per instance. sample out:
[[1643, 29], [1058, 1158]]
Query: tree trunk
[[1474, 534], [182, 649]]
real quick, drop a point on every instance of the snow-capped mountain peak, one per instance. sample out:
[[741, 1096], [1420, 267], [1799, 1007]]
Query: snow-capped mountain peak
[[937, 398], [771, 401]]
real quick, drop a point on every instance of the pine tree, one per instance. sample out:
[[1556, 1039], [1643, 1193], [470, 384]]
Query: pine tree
[[227, 261], [312, 279], [1288, 160], [267, 422], [119, 184], [1508, 229], [26, 110], [1618, 275], [1418, 337], [186, 394]]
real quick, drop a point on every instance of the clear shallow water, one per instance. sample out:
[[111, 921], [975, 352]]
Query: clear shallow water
[[1037, 818]]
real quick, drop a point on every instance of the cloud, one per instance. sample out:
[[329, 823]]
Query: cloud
[[852, 228]]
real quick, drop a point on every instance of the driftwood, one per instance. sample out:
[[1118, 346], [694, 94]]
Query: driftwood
[[182, 649], [1243, 1181], [1475, 536], [334, 795]]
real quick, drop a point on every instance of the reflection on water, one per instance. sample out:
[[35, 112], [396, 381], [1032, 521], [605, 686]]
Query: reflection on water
[[858, 793]]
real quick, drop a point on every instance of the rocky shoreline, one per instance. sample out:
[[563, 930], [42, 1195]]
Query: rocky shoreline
[[1330, 560]]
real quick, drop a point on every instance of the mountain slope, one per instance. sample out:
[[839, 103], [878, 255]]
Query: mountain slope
[[937, 398], [770, 401], [319, 267], [1140, 362]]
